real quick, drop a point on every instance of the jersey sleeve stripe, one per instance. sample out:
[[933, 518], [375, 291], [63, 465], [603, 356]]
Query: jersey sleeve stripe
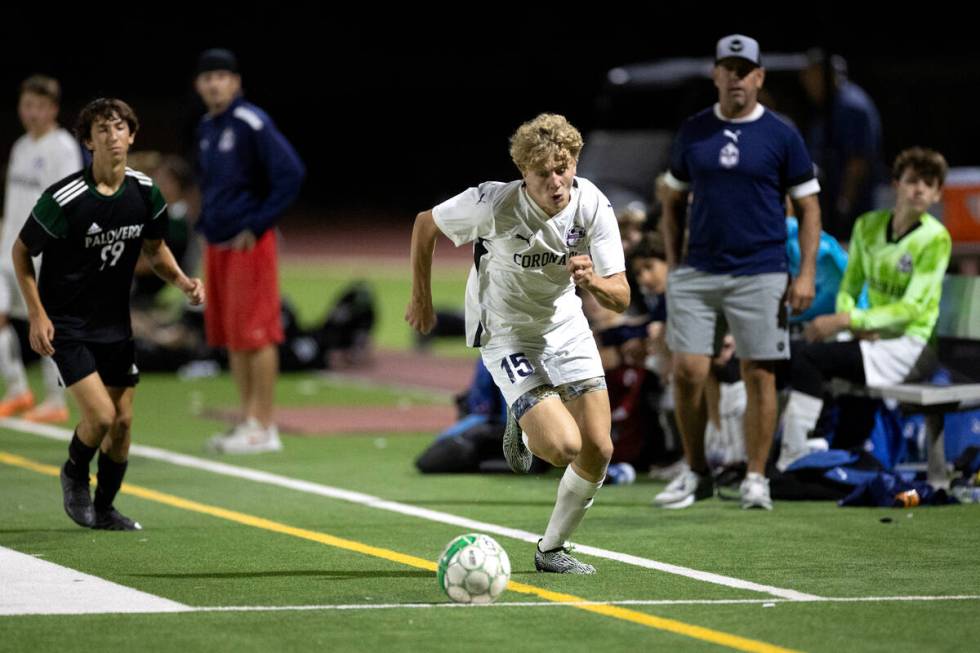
[[811, 187], [160, 212], [675, 183], [247, 115], [68, 190], [139, 176], [64, 201]]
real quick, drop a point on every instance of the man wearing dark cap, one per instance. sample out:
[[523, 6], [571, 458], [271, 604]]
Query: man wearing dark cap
[[249, 174], [738, 161]]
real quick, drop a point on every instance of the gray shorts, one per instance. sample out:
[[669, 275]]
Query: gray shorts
[[702, 307]]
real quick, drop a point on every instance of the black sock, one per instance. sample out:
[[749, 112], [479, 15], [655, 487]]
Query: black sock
[[110, 479], [79, 456]]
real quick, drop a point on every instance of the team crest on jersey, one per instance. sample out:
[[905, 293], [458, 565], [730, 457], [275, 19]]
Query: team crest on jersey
[[573, 235], [728, 157], [227, 141], [905, 264]]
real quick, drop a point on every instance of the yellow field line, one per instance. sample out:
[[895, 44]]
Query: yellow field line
[[658, 623]]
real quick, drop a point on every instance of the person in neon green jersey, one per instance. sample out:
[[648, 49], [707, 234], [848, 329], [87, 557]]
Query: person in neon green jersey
[[901, 254]]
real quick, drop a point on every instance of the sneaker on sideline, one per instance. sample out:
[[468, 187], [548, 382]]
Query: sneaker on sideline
[[684, 490], [755, 492]]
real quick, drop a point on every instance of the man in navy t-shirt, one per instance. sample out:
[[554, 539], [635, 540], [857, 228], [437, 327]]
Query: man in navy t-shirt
[[736, 161]]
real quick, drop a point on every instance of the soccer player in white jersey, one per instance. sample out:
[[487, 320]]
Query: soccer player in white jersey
[[536, 240], [39, 158]]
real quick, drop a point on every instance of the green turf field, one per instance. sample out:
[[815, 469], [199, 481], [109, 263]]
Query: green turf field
[[357, 574]]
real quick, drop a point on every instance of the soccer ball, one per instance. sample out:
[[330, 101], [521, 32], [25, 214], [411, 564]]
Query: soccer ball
[[473, 568]]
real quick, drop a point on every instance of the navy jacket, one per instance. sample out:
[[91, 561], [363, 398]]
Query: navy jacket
[[248, 172]]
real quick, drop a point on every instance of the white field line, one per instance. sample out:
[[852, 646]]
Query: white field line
[[764, 603], [370, 501], [32, 586], [553, 604]]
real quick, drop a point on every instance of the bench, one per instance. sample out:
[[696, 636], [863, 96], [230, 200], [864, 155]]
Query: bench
[[958, 334]]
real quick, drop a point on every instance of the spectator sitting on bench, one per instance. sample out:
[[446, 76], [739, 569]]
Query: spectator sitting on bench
[[902, 255]]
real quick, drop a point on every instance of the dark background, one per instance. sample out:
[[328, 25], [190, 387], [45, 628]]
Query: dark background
[[394, 110]]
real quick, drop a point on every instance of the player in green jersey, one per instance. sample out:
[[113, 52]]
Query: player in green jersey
[[91, 227], [901, 254]]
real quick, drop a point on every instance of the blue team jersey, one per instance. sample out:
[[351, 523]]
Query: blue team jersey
[[738, 172], [248, 172]]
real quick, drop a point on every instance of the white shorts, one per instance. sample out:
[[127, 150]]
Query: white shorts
[[518, 368], [890, 361], [11, 302]]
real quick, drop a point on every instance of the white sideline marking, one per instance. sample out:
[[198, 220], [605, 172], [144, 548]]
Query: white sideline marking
[[32, 586], [543, 604], [184, 460], [553, 604]]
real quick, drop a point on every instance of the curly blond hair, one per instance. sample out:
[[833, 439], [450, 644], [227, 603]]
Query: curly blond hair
[[547, 140]]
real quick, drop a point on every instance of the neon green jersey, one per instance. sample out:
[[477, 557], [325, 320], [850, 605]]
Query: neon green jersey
[[905, 277]]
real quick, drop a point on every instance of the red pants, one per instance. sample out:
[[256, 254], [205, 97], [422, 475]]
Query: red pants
[[242, 307]]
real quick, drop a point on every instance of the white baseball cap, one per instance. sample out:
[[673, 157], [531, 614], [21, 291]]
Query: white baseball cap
[[738, 46]]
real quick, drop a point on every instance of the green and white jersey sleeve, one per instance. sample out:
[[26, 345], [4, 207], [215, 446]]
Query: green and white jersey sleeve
[[50, 216], [904, 277]]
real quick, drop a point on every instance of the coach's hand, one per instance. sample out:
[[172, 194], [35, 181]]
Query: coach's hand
[[801, 293], [244, 241], [194, 291], [420, 315], [41, 335], [580, 267]]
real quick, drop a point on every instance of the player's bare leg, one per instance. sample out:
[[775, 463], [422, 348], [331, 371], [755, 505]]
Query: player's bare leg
[[577, 435]]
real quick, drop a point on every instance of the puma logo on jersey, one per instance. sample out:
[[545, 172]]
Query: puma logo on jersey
[[93, 229], [526, 239], [732, 134]]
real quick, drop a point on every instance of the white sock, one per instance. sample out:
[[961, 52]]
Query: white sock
[[799, 418], [574, 498], [11, 365], [54, 394]]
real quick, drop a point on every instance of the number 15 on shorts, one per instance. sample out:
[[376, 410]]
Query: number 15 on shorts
[[516, 364]]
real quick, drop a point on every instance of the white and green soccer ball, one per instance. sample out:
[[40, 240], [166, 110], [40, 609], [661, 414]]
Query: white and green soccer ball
[[473, 568]]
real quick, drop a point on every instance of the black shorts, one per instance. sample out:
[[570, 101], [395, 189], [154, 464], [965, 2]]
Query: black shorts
[[114, 361]]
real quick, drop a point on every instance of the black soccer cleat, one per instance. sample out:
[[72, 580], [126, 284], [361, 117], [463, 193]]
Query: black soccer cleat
[[78, 500], [113, 520]]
